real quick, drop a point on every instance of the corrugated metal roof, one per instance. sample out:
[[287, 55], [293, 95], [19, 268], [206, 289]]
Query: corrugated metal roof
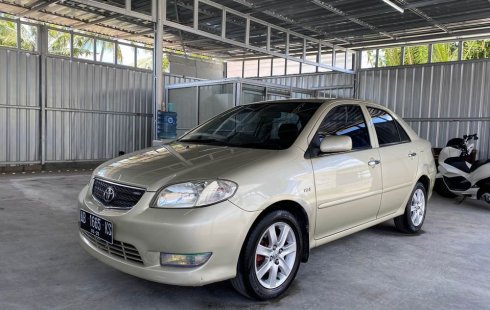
[[348, 23]]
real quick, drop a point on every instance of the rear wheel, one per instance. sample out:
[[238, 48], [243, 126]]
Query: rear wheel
[[412, 220], [270, 257], [441, 188]]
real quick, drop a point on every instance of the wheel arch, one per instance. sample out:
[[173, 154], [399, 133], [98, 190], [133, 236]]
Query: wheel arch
[[424, 179], [298, 211]]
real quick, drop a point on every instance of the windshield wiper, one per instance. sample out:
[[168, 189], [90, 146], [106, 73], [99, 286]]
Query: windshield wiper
[[257, 145], [213, 141]]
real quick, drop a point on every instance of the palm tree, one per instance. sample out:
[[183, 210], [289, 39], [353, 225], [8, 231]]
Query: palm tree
[[476, 49], [59, 42], [8, 33], [441, 52], [83, 47], [28, 37], [415, 55]]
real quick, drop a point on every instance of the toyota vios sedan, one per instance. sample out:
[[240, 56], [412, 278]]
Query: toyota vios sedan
[[246, 195]]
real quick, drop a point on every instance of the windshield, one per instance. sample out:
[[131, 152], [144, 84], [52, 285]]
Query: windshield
[[274, 125]]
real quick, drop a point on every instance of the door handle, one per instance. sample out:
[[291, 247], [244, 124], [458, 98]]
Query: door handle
[[373, 162], [412, 154]]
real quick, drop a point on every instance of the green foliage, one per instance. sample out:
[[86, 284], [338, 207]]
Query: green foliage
[[416, 55], [8, 33], [28, 37], [476, 49], [59, 42], [166, 63], [83, 47], [389, 57], [443, 52]]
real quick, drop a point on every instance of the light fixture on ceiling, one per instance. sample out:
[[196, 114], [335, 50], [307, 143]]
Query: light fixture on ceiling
[[396, 7]]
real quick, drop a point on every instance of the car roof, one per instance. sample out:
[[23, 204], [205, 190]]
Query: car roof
[[320, 100]]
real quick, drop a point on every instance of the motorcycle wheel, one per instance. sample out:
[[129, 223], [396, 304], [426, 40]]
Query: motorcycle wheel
[[441, 188]]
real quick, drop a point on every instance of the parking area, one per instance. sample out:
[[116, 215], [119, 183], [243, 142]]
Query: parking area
[[446, 266]]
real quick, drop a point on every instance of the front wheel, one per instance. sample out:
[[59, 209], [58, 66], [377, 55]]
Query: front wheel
[[412, 220], [270, 257]]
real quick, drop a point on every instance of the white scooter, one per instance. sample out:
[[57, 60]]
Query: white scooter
[[457, 177]]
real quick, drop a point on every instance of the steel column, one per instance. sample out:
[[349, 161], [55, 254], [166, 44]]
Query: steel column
[[157, 63], [43, 49]]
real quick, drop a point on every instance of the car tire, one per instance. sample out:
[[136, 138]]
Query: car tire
[[411, 221], [251, 281], [441, 188]]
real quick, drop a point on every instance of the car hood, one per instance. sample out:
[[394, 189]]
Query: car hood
[[177, 162]]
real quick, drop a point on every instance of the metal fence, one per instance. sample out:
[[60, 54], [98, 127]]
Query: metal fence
[[73, 110], [440, 101]]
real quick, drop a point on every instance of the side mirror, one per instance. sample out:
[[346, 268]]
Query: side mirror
[[336, 144]]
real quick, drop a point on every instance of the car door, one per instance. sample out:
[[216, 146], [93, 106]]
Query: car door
[[348, 185], [399, 160]]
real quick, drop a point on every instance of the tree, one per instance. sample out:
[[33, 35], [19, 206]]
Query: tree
[[83, 47], [441, 52], [476, 49], [28, 37], [415, 55], [59, 43], [8, 33]]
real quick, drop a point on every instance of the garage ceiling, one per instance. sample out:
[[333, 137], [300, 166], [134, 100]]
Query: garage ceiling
[[346, 23]]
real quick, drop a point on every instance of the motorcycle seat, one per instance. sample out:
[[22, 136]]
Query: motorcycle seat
[[458, 163], [478, 164]]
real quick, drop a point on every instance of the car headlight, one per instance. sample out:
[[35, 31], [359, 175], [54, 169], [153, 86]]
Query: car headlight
[[195, 194]]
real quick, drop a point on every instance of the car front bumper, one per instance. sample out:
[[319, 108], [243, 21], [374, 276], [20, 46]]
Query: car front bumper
[[220, 229]]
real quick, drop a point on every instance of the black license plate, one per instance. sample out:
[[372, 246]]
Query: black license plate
[[96, 226]]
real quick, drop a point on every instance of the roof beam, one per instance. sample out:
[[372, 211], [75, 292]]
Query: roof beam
[[39, 5], [136, 34], [426, 3], [288, 20], [95, 21], [112, 8], [427, 18], [425, 39], [339, 12]]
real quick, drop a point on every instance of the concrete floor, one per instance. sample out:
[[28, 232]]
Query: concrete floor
[[42, 266]]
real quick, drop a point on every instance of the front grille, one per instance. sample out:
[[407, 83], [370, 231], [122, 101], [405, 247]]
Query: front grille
[[118, 249], [125, 197]]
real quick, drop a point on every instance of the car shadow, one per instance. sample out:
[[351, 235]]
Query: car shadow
[[388, 228]]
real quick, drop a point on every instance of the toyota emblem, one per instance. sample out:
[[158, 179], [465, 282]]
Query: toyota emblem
[[109, 194]]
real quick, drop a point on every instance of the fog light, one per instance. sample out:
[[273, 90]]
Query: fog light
[[184, 260]]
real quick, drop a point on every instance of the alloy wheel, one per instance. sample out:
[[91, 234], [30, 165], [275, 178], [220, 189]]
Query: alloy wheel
[[275, 255], [417, 207]]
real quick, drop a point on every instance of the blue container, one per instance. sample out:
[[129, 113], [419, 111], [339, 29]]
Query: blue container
[[166, 125]]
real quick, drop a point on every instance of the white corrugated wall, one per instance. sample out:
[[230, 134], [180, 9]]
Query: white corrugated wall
[[440, 101], [91, 110]]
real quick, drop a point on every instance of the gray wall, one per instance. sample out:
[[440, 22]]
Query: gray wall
[[440, 101], [94, 111], [90, 111], [19, 107], [335, 85], [85, 111], [196, 68]]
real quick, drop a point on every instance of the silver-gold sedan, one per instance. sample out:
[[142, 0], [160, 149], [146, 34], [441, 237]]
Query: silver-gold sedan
[[247, 195]]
